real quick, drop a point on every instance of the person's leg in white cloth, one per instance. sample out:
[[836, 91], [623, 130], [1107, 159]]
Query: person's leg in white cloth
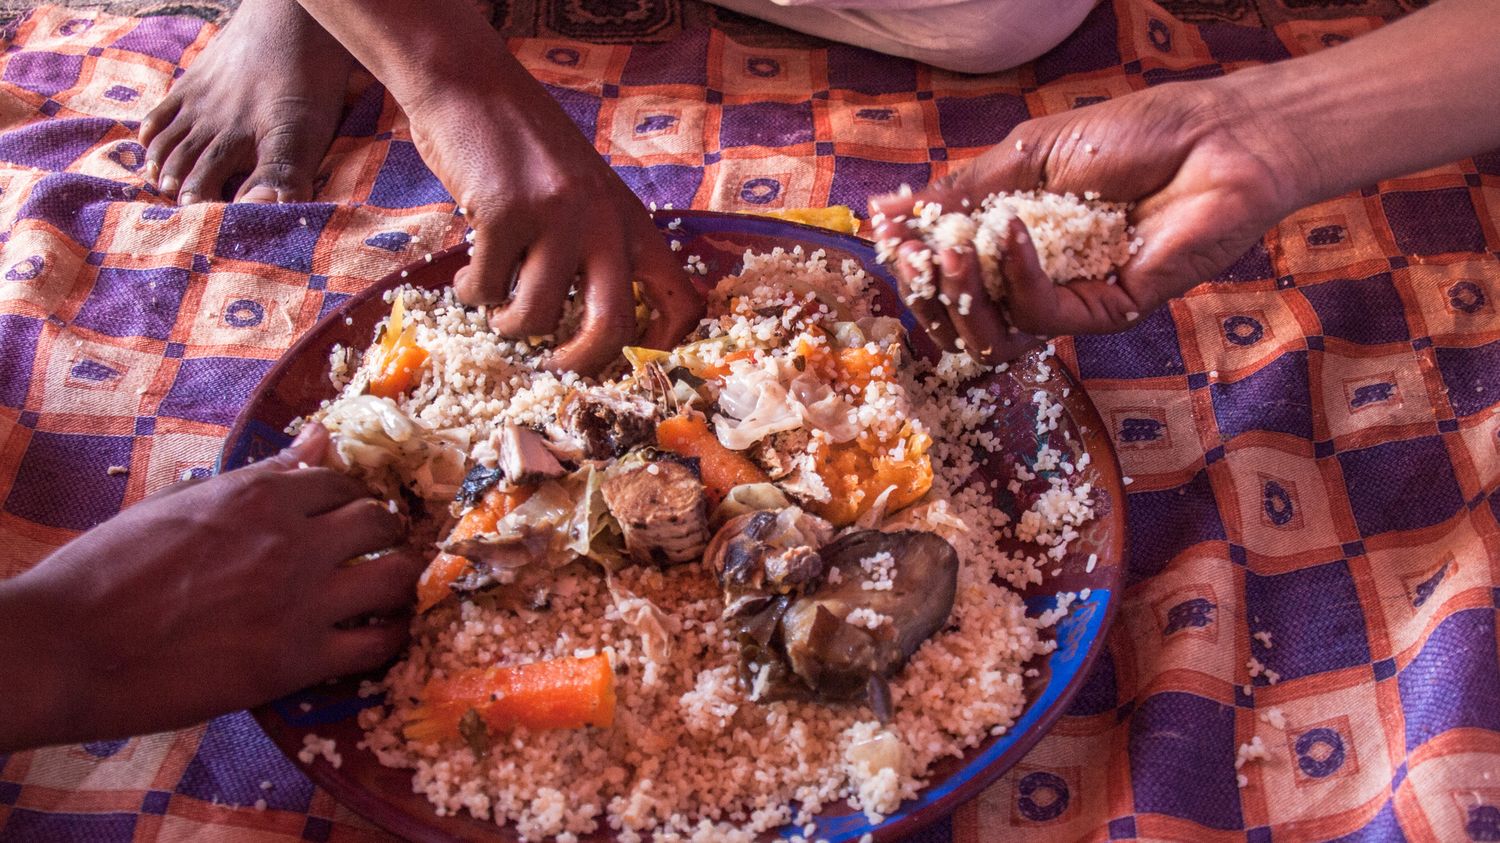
[[969, 36]]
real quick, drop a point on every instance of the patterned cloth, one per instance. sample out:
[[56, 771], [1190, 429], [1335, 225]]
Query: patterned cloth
[[1312, 436]]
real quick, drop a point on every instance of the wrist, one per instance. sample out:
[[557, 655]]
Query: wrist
[[481, 78], [495, 89], [1250, 102]]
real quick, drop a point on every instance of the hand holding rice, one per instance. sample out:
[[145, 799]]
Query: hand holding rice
[[977, 276], [1189, 167], [1074, 238]]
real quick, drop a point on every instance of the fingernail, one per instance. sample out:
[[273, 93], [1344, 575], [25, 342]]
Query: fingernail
[[187, 197], [303, 435], [152, 171], [170, 184]]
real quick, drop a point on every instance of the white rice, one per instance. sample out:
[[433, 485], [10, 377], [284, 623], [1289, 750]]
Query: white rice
[[314, 747], [1074, 238]]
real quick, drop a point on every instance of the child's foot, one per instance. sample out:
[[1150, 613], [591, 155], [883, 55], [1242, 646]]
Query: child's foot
[[263, 98]]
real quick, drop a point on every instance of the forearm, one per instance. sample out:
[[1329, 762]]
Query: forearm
[[38, 669], [423, 50], [1406, 97]]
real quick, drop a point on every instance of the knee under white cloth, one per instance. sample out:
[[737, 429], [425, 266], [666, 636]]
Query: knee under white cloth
[[969, 36]]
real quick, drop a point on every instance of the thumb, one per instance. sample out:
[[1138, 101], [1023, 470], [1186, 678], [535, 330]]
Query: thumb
[[310, 446]]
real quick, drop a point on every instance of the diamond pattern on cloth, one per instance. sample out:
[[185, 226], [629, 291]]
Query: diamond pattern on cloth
[[1313, 435]]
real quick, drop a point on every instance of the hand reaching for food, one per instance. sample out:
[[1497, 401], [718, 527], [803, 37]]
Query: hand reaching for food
[[546, 210], [203, 598], [548, 214], [1203, 190]]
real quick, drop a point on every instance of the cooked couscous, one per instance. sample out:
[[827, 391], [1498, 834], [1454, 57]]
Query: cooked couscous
[[820, 423], [1075, 238]]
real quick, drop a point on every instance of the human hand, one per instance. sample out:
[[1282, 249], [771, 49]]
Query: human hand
[[204, 598], [1207, 176], [546, 209]]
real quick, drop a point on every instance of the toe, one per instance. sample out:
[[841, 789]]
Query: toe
[[286, 161], [259, 194], [184, 156], [160, 117], [224, 156], [161, 148]]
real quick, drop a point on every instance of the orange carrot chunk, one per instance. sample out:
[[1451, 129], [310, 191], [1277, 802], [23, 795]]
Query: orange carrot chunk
[[563, 693], [497, 503], [397, 358], [720, 468], [433, 585], [721, 368], [400, 372]]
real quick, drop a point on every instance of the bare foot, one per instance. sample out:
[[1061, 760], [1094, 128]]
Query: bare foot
[[263, 98]]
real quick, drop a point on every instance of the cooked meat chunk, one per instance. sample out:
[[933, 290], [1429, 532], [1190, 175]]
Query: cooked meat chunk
[[660, 505], [830, 622], [523, 456], [607, 429], [759, 556], [777, 453]]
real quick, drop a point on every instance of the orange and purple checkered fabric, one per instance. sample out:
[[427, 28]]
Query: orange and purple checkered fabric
[[1313, 435]]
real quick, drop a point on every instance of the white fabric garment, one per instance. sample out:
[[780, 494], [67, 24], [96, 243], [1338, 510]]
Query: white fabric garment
[[969, 36]]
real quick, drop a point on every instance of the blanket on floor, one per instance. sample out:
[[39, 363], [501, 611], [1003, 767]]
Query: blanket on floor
[[1313, 435]]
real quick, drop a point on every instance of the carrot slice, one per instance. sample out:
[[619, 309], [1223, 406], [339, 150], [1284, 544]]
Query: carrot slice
[[497, 503], [563, 693], [397, 357], [433, 585], [400, 372], [720, 468]]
